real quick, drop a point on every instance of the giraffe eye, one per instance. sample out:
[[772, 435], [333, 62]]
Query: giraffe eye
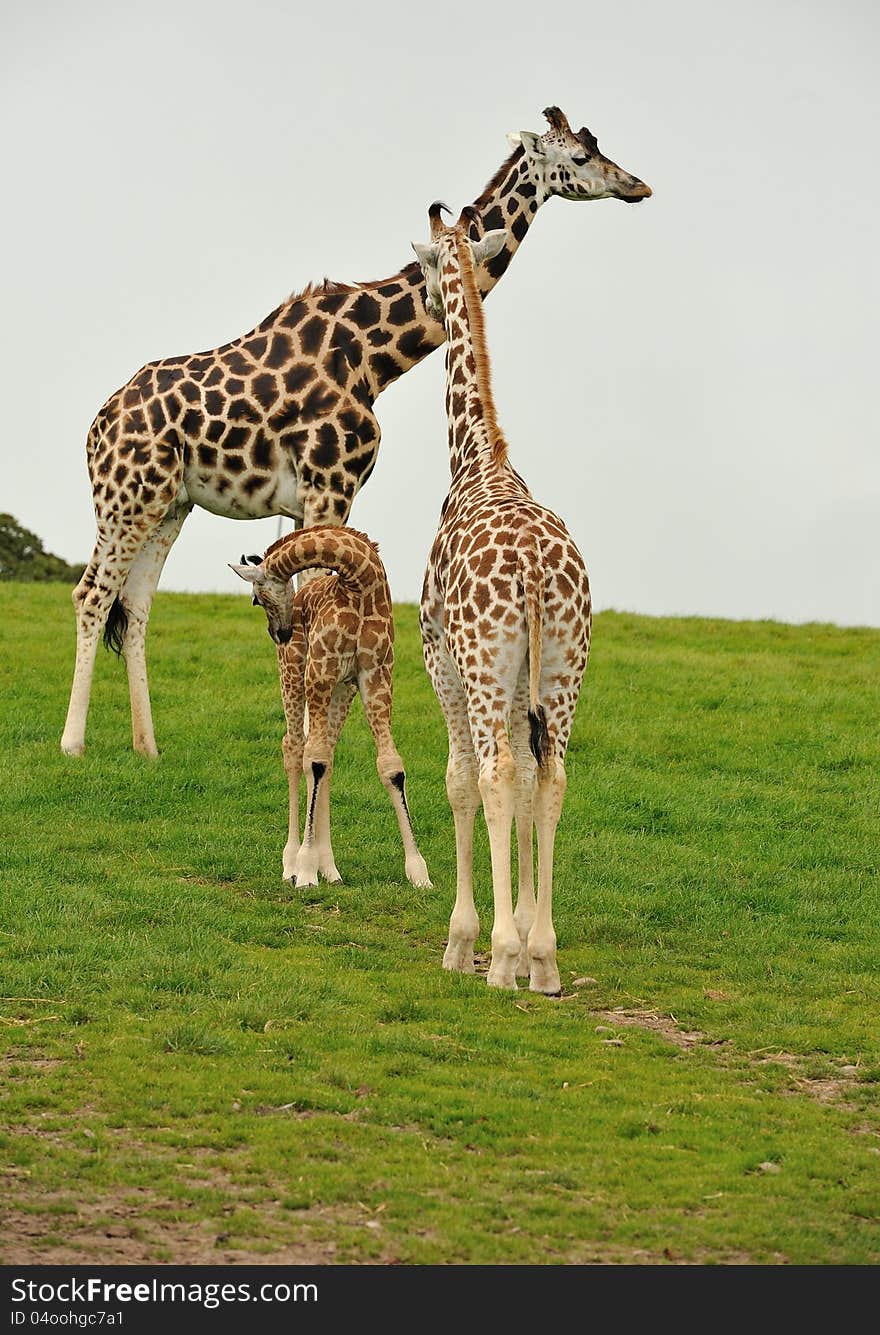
[[581, 160]]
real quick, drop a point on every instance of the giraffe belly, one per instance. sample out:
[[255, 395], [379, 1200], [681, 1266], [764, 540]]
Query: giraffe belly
[[231, 499]]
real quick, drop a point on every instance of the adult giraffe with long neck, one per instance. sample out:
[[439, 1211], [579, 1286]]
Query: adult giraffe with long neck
[[280, 421]]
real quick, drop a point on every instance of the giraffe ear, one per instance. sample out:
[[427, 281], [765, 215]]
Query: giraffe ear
[[488, 246], [514, 138], [532, 144], [251, 574], [426, 255]]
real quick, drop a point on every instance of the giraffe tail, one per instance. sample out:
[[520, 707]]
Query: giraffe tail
[[115, 627], [353, 556], [532, 574]]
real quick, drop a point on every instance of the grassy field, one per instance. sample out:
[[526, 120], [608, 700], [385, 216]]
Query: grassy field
[[203, 1063]]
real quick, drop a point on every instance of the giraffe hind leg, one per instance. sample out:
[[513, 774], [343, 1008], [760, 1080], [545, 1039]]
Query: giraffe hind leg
[[498, 791], [317, 761], [488, 712], [93, 599], [376, 688], [136, 600], [340, 703], [291, 669], [559, 694], [524, 914], [544, 971], [464, 799]]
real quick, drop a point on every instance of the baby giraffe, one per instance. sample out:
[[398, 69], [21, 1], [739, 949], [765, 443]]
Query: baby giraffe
[[505, 620], [335, 636]]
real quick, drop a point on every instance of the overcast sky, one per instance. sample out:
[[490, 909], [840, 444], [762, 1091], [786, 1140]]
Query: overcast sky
[[691, 383]]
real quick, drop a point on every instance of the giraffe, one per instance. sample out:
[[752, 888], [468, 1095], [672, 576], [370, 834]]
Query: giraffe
[[335, 636], [281, 420], [505, 619]]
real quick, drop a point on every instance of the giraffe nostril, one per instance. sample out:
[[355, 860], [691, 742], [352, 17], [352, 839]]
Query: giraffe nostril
[[282, 636]]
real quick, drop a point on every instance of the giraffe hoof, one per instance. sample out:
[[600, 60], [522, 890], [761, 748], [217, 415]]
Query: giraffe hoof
[[73, 748], [545, 978], [502, 980], [417, 871], [502, 969], [459, 957]]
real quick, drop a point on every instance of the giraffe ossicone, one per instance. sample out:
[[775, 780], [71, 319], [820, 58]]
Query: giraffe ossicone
[[335, 637], [505, 618], [281, 420]]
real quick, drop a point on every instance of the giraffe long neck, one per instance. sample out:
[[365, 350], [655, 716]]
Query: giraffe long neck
[[377, 331], [345, 550], [474, 433], [510, 200]]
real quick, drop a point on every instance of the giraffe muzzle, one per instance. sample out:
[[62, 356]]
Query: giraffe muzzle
[[635, 191]]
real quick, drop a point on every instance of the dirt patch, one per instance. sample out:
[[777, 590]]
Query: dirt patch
[[134, 1226], [299, 1114], [28, 1062], [115, 1230], [828, 1089], [664, 1025], [831, 1089], [640, 1256]]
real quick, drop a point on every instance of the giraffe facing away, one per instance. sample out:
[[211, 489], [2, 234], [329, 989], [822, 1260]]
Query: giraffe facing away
[[335, 636], [280, 421], [505, 619]]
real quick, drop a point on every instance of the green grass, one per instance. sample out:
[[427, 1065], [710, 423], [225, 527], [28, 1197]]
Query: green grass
[[200, 1061]]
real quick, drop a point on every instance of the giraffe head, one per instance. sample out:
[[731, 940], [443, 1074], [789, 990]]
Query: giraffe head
[[274, 595], [442, 243], [570, 164]]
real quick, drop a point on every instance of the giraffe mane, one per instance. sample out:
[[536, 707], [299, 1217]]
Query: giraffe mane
[[499, 177], [323, 287], [474, 308], [320, 288]]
